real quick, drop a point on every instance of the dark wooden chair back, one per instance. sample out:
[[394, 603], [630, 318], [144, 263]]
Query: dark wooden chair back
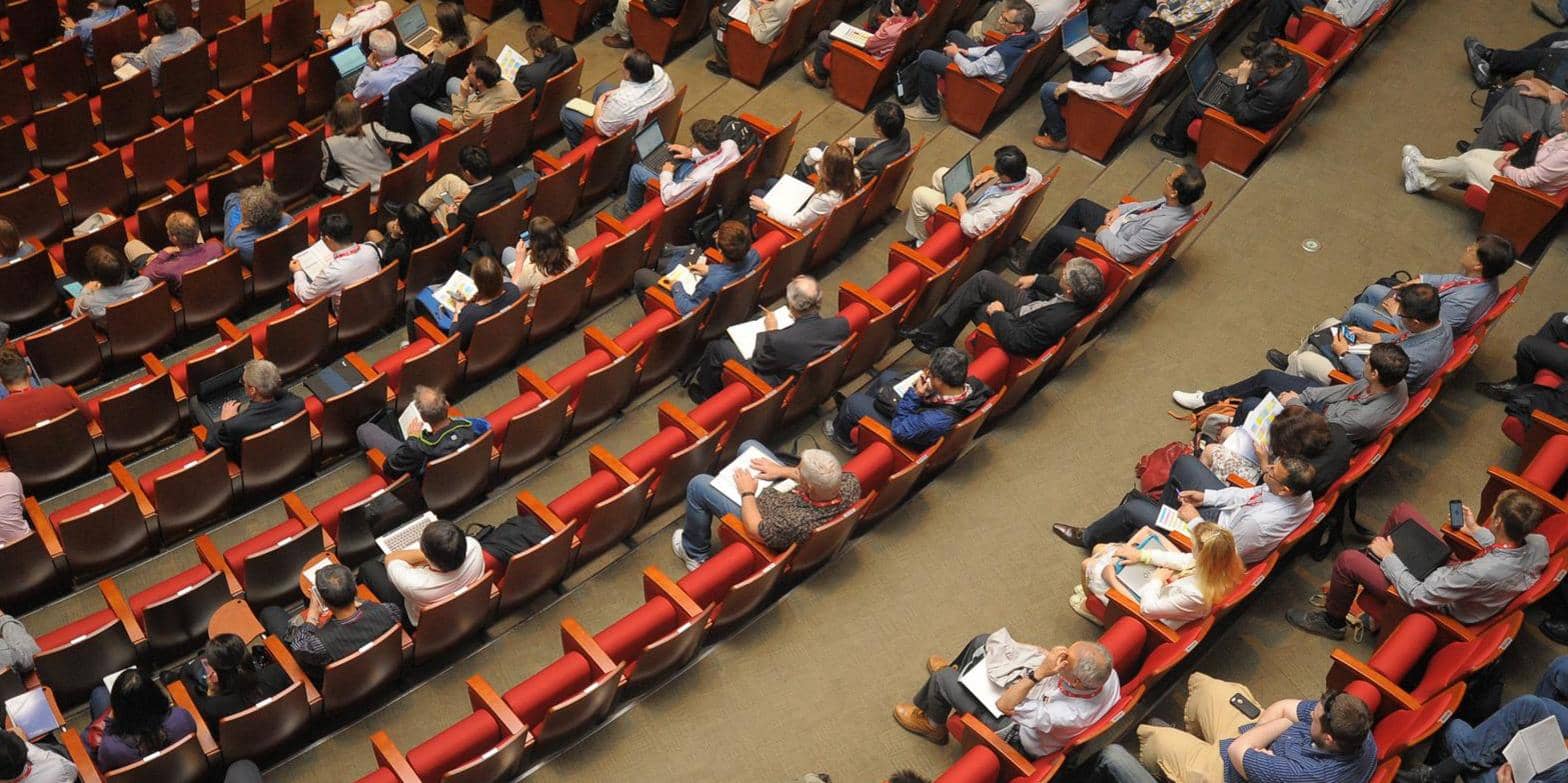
[[349, 682], [444, 625], [297, 340], [454, 482], [75, 668], [211, 291], [138, 415], [368, 306], [194, 496], [558, 302], [177, 625], [52, 453], [272, 458], [266, 729], [496, 341], [613, 519], [67, 352], [537, 568]]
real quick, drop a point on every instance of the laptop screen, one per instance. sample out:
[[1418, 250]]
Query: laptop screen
[[349, 60], [411, 22], [649, 140], [1076, 28], [1201, 65], [957, 178]]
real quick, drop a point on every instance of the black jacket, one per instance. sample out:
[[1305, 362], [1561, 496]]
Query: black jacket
[[1031, 334], [533, 75], [257, 417], [877, 158], [482, 197], [787, 351], [1262, 102], [419, 450]]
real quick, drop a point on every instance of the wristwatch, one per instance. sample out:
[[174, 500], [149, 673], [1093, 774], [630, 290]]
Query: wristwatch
[[748, 494]]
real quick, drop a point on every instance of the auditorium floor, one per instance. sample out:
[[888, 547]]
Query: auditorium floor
[[808, 686]]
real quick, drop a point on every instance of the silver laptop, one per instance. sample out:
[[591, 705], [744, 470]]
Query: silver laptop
[[415, 30], [957, 178], [406, 536], [1077, 42], [349, 61]]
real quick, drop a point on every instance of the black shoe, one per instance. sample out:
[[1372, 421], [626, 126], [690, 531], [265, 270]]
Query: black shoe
[[1500, 391], [716, 68], [1277, 359], [1556, 630], [1480, 62], [1168, 144], [1315, 622], [1019, 263], [920, 340], [1068, 533], [1248, 51], [1419, 773], [1462, 145]]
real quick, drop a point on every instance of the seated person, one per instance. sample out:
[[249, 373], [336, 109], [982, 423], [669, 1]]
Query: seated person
[[357, 153], [544, 255], [1292, 740], [1189, 16], [991, 195], [17, 646], [435, 434], [1259, 517], [620, 36], [384, 68], [170, 264], [475, 99], [942, 395], [1295, 432], [1096, 82], [1425, 339], [1028, 317], [1463, 297], [1476, 752], [100, 12], [1362, 408], [974, 59], [766, 21], [547, 57], [269, 404], [779, 353], [409, 230], [250, 214], [1048, 15], [1050, 702], [12, 246], [133, 720], [1489, 65], [1129, 232], [778, 518], [1185, 585], [335, 625], [872, 153], [1270, 83], [23, 762], [1548, 173], [351, 262], [884, 38], [1277, 13], [456, 201], [1470, 591], [690, 171], [110, 279], [836, 182], [415, 579], [25, 405], [644, 87], [1527, 106], [456, 27], [1114, 21], [229, 677], [13, 520], [1534, 353], [493, 292], [171, 39], [362, 18], [736, 260]]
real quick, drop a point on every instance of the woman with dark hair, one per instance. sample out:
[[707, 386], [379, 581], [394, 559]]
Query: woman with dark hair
[[837, 180], [12, 246], [228, 677], [135, 719], [357, 152], [410, 230], [540, 255], [492, 294], [456, 31], [110, 279]]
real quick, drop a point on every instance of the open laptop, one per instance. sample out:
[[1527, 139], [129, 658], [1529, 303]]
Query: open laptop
[[1077, 42], [406, 536], [224, 387], [652, 150], [334, 379], [1211, 85], [349, 60], [957, 178], [415, 30]]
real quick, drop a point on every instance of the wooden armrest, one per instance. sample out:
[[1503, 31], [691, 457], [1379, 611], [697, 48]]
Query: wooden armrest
[[1462, 544], [1119, 604], [1093, 248], [1449, 628], [426, 328], [899, 253], [732, 530], [594, 339], [773, 225], [528, 503], [182, 698], [298, 510], [545, 163], [1180, 539], [85, 767], [115, 600], [763, 127], [599, 458], [735, 372], [35, 513], [1237, 481], [850, 293], [1345, 668], [378, 461], [132, 487], [207, 552], [656, 584], [1384, 327], [657, 297], [446, 126], [575, 638], [1013, 763], [1319, 14], [671, 416], [483, 698], [231, 333], [391, 759], [1340, 377], [529, 381], [609, 223], [280, 653], [876, 430]]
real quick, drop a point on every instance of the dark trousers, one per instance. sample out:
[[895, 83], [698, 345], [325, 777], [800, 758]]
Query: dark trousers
[[817, 53], [1275, 15], [1118, 17], [199, 413], [1540, 351], [1355, 569], [1507, 63], [1188, 472], [1176, 127], [933, 63], [862, 404], [276, 620], [1081, 220], [1259, 384], [943, 693], [708, 378], [1123, 521], [968, 305], [374, 576], [427, 85]]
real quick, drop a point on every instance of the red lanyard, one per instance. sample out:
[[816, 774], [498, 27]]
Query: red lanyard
[[1458, 284]]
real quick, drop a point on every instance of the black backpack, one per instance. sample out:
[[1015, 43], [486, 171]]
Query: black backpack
[[734, 129]]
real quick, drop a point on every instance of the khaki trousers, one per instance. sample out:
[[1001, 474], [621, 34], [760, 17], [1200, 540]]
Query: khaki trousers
[[1193, 756]]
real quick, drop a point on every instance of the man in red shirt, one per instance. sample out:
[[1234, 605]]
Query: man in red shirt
[[25, 406]]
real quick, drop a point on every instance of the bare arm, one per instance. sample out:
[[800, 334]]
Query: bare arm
[[1259, 738]]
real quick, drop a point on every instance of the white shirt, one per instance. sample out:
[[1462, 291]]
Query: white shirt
[[1052, 714], [1127, 86], [994, 202], [1050, 13], [362, 20], [347, 267], [629, 104], [814, 211], [1353, 13], [1258, 518], [46, 767], [13, 519], [702, 172], [422, 586]]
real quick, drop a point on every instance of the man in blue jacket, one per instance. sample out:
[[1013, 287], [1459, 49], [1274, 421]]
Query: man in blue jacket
[[975, 59], [942, 395], [733, 241]]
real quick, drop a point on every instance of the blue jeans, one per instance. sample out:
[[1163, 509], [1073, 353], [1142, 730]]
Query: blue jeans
[[703, 503], [1053, 123], [1554, 683], [1116, 765], [427, 119], [1481, 747], [863, 404], [1369, 307], [636, 193], [574, 124]]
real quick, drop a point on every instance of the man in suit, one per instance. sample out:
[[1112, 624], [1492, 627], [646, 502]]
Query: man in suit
[[24, 404], [1130, 231], [1028, 317], [269, 404], [780, 353], [872, 153], [456, 201], [550, 57], [1267, 87]]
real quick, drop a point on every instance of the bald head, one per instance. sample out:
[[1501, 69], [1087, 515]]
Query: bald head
[[803, 295], [1088, 665], [431, 404]]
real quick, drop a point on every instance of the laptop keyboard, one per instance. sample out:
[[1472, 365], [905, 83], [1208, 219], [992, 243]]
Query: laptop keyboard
[[214, 406], [407, 536], [1216, 91]]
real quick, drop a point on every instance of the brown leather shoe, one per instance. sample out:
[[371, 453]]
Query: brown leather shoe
[[936, 663], [1048, 143], [812, 76], [915, 722], [615, 41], [1068, 533]]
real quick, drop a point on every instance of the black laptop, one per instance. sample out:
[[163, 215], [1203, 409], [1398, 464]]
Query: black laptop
[[1420, 549], [1211, 85], [334, 379], [226, 386]]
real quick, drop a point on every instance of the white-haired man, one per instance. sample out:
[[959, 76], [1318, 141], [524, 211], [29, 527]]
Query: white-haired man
[[780, 352], [384, 68], [268, 403]]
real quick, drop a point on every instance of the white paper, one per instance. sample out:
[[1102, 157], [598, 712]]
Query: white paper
[[850, 34], [30, 712], [583, 107], [788, 195], [1261, 419], [409, 415], [313, 260], [1535, 749], [458, 287], [741, 12], [126, 71], [309, 574], [108, 681], [905, 385], [1168, 521], [682, 276], [980, 686], [339, 26], [1137, 576], [724, 480], [1360, 349], [745, 334], [1239, 443], [510, 60]]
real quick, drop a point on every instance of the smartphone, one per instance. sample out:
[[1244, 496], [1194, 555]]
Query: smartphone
[[1456, 514], [447, 197], [1344, 331], [1245, 707]]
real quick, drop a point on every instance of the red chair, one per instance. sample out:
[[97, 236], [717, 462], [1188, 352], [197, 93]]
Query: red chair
[[240, 53], [750, 62], [1222, 140], [857, 77], [972, 102], [294, 340], [54, 452], [529, 427], [1520, 214], [447, 623], [1096, 127], [660, 36], [558, 89], [568, 19], [188, 493], [73, 659]]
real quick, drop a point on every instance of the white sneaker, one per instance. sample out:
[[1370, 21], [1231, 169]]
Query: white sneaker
[[1409, 151], [918, 112], [1415, 181], [680, 551], [1192, 400]]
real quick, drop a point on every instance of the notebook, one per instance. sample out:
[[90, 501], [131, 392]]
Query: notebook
[[745, 334], [740, 11], [583, 107], [850, 34], [510, 61], [126, 71], [1535, 749], [903, 387], [788, 195], [334, 379], [1421, 550], [313, 260], [682, 277], [31, 713], [1169, 521], [1077, 42], [724, 479], [958, 177], [406, 419], [1138, 577]]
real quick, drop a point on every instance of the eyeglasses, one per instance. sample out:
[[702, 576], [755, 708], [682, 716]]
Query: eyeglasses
[[1327, 703]]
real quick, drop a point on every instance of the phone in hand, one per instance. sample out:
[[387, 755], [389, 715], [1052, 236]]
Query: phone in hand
[[447, 197], [1456, 514], [1344, 332], [1244, 706]]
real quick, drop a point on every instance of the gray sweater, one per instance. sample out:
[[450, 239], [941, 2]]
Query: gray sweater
[[360, 159], [1362, 415], [17, 647]]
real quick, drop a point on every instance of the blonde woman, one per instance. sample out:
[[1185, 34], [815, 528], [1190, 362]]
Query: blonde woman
[[1186, 585]]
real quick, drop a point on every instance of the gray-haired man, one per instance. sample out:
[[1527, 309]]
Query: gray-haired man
[[269, 404], [780, 352], [1074, 686], [1028, 316]]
